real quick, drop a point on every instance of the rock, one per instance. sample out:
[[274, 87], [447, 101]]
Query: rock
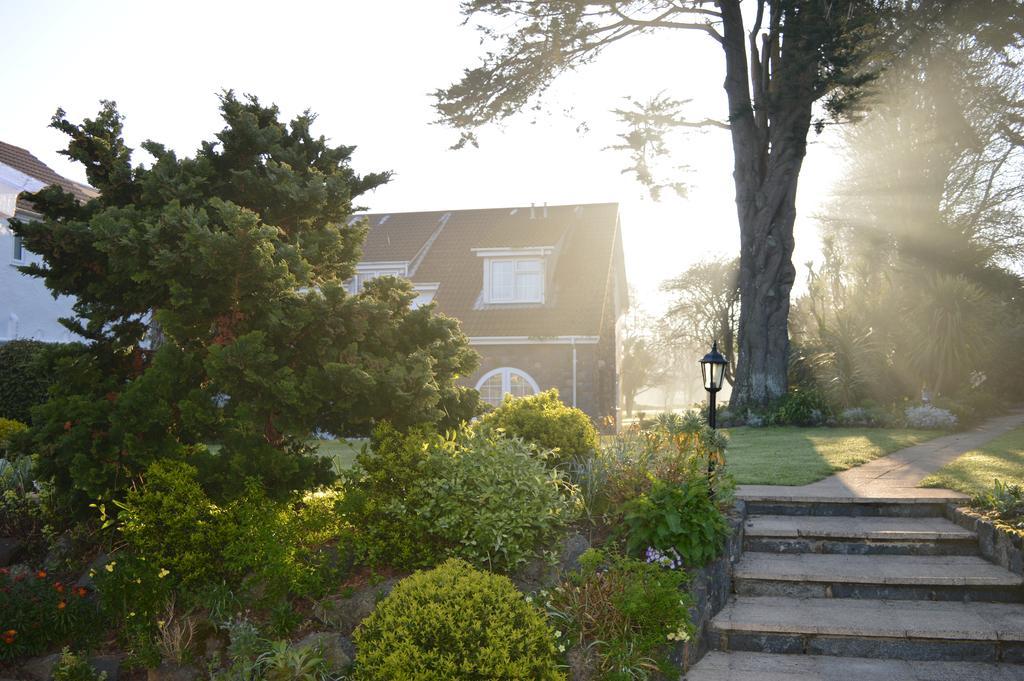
[[582, 663], [107, 664], [59, 553], [10, 549], [168, 671], [85, 579], [213, 647], [336, 650], [40, 668], [572, 548], [345, 614]]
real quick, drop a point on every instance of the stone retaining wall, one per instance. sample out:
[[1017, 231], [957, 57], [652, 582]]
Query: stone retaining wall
[[711, 588], [996, 544]]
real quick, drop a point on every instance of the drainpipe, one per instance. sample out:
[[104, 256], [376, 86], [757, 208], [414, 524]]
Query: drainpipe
[[572, 339]]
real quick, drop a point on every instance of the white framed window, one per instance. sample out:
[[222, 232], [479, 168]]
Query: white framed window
[[18, 253], [495, 384], [514, 280], [368, 271]]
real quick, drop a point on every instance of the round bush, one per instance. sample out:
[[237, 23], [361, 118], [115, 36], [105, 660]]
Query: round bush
[[23, 379], [547, 422], [455, 622]]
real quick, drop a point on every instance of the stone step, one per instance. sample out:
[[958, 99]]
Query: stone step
[[850, 507], [858, 535], [718, 666], [937, 578], [905, 630]]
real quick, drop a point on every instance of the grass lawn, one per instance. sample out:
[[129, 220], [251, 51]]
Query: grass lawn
[[341, 452], [797, 456], [974, 471]]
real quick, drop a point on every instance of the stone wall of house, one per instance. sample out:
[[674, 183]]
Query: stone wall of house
[[550, 365]]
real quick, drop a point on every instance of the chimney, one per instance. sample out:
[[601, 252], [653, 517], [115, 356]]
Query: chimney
[[532, 206]]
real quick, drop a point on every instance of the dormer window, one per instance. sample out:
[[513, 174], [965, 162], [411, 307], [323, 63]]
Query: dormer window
[[371, 270], [514, 275]]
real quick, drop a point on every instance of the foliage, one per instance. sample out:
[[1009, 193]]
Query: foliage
[[38, 611], [177, 631], [455, 622], [929, 417], [1005, 500], [679, 517], [281, 662], [547, 422], [9, 428], [628, 610], [172, 522], [493, 503], [133, 594], [75, 667], [23, 379], [865, 417], [378, 497], [211, 290], [801, 408], [419, 497]]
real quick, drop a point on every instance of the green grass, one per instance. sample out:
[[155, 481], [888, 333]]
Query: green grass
[[797, 456], [341, 452], [974, 471]]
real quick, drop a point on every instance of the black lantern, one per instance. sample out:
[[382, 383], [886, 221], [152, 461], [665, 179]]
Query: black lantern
[[712, 367]]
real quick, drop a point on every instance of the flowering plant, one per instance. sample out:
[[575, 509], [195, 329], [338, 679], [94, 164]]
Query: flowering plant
[[37, 610]]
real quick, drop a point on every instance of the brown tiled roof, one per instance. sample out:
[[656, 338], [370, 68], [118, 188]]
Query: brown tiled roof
[[24, 161], [585, 262]]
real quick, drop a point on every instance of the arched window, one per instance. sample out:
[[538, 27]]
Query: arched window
[[494, 384]]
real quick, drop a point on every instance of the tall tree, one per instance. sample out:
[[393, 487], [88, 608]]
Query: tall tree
[[237, 256], [789, 65]]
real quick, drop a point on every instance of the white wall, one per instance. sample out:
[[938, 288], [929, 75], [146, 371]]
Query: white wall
[[27, 308]]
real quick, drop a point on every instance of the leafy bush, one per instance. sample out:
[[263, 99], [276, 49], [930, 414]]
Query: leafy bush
[[455, 622], [377, 497], [547, 422], [417, 498], [133, 594], [75, 667], [38, 611], [8, 429], [680, 517], [865, 417], [493, 503], [23, 379], [625, 609], [1005, 501], [929, 417], [179, 529], [801, 408]]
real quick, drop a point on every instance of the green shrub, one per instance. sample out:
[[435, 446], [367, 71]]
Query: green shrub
[[418, 498], [38, 611], [8, 429], [23, 378], [377, 497], [801, 408], [679, 517], [493, 503], [627, 610], [455, 622], [75, 667], [547, 422]]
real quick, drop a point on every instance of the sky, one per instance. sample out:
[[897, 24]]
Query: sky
[[368, 70]]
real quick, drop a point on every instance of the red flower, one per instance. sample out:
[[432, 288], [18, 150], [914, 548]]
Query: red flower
[[58, 587], [41, 574], [9, 636], [81, 591], [67, 425], [62, 604], [5, 571]]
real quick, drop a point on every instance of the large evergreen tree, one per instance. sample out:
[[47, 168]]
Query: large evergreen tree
[[211, 292], [790, 65]]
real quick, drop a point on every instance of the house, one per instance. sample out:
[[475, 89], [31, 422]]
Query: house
[[27, 308], [539, 291]]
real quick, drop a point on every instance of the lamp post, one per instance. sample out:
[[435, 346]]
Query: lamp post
[[712, 368]]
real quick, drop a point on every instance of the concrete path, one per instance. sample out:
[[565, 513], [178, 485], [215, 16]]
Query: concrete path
[[896, 476]]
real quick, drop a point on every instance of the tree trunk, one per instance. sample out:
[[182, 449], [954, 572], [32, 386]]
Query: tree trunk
[[768, 151]]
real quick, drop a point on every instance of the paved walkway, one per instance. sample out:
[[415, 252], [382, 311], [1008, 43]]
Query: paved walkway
[[897, 475]]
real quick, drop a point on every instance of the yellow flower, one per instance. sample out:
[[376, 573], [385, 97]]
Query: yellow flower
[[163, 573], [110, 566]]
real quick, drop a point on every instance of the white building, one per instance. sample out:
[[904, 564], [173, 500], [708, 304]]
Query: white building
[[27, 308]]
